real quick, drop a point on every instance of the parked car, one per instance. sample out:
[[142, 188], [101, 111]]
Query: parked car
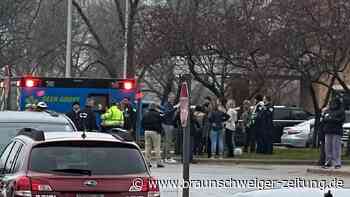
[[12, 121], [286, 117], [283, 117], [78, 164], [301, 134]]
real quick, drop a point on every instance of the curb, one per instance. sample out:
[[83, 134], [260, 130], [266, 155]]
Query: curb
[[255, 161], [331, 172]]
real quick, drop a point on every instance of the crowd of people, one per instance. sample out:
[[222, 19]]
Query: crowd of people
[[100, 118], [214, 124], [213, 127]]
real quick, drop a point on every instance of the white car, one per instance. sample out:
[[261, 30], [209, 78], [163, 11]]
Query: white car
[[300, 135]]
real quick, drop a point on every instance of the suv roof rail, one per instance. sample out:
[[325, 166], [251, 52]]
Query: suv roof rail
[[35, 134], [121, 134], [52, 113], [280, 106]]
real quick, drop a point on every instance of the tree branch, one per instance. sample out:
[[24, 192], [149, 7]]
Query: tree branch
[[90, 27]]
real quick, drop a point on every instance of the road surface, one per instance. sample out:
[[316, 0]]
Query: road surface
[[239, 178]]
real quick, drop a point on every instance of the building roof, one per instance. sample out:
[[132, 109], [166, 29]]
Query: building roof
[[37, 117]]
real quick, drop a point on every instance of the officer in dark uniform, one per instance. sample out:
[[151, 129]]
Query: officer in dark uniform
[[321, 138], [258, 123], [268, 126]]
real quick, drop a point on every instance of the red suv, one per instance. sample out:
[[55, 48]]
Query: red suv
[[55, 164]]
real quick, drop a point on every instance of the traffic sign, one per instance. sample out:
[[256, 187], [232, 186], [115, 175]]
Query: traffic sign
[[184, 104]]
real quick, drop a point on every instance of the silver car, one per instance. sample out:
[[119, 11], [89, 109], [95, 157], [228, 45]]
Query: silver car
[[12, 121], [301, 134]]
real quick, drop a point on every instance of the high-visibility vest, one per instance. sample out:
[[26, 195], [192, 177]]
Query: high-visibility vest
[[113, 117]]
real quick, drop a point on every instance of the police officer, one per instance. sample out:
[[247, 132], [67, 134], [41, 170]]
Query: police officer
[[129, 116], [74, 115], [88, 115], [113, 118], [258, 122], [41, 106], [268, 126]]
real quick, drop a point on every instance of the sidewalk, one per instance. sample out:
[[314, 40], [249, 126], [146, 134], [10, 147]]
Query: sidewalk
[[344, 171], [258, 161], [203, 159]]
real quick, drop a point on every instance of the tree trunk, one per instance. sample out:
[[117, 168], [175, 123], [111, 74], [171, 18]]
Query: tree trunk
[[169, 86], [317, 114]]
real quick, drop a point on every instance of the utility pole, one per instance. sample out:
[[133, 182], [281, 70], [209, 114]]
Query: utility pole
[[126, 36], [69, 39]]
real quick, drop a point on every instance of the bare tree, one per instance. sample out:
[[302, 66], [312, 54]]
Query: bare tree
[[311, 39], [106, 23]]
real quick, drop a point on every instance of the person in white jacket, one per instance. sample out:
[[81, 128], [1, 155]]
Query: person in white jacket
[[230, 126]]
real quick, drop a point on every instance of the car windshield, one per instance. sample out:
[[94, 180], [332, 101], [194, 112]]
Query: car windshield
[[9, 130], [87, 158]]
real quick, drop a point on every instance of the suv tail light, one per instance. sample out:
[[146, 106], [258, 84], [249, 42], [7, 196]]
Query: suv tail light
[[149, 185], [26, 185]]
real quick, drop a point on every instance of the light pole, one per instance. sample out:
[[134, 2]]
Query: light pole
[[125, 65], [69, 39]]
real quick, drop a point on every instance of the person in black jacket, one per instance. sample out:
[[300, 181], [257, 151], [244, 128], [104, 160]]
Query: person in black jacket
[[268, 126], [88, 116], [194, 130], [258, 123], [334, 117], [129, 116], [152, 123], [74, 115], [321, 140]]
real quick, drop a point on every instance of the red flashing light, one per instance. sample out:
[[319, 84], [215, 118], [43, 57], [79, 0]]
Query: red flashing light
[[128, 85], [150, 185], [29, 83]]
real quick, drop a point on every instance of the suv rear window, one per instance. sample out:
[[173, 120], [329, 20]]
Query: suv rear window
[[99, 158]]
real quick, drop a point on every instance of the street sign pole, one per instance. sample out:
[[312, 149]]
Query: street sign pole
[[7, 84], [138, 113], [185, 114]]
